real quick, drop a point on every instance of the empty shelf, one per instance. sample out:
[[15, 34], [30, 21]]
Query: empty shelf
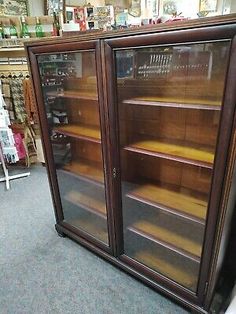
[[193, 154], [190, 204], [86, 132], [166, 268], [91, 227], [86, 169], [175, 102], [168, 238], [74, 95], [91, 204]]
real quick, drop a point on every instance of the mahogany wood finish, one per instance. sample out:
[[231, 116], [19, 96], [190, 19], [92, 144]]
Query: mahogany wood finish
[[143, 124]]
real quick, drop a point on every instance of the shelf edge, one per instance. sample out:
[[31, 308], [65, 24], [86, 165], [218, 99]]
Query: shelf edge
[[83, 178], [167, 209], [169, 157], [88, 208], [82, 137], [171, 105], [167, 245]]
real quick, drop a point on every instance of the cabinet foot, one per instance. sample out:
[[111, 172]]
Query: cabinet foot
[[196, 312], [60, 233]]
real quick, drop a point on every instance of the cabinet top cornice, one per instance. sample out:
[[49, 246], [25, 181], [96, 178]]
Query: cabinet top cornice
[[162, 27]]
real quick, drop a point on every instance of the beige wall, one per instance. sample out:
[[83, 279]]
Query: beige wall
[[233, 6], [75, 2], [36, 8], [83, 2]]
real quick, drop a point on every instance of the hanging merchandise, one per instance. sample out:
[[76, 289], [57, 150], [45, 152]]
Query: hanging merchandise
[[7, 97], [20, 147], [6, 135], [30, 105], [22, 109], [8, 145], [8, 150], [17, 94], [30, 146]]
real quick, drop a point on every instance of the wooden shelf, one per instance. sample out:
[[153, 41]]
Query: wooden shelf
[[184, 103], [92, 228], [56, 61], [51, 85], [163, 266], [74, 95], [182, 202], [13, 67], [85, 132], [168, 238], [91, 204], [86, 170], [177, 150], [12, 49]]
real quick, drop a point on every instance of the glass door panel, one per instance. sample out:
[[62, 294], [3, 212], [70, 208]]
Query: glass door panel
[[169, 106], [71, 102]]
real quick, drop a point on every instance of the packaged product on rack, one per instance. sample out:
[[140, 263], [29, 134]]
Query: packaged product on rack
[[6, 134]]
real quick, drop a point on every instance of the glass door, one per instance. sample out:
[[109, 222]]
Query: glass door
[[69, 86], [169, 107]]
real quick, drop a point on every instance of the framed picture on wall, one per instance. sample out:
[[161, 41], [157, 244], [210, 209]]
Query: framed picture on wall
[[135, 8], [208, 5], [168, 7], [14, 7], [56, 6], [171, 7]]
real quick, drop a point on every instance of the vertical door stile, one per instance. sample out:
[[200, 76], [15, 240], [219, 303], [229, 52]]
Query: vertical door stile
[[114, 164], [101, 72]]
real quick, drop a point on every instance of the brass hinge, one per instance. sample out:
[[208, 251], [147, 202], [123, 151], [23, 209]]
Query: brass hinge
[[114, 173], [206, 287]]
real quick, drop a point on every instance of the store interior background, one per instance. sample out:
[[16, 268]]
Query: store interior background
[[188, 8]]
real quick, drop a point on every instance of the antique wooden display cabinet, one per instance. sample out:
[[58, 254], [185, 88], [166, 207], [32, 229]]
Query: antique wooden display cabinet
[[139, 137]]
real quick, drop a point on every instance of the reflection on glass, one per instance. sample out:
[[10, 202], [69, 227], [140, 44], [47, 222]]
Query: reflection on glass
[[71, 102], [169, 101]]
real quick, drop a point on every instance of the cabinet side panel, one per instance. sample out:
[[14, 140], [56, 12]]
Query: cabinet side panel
[[228, 206]]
